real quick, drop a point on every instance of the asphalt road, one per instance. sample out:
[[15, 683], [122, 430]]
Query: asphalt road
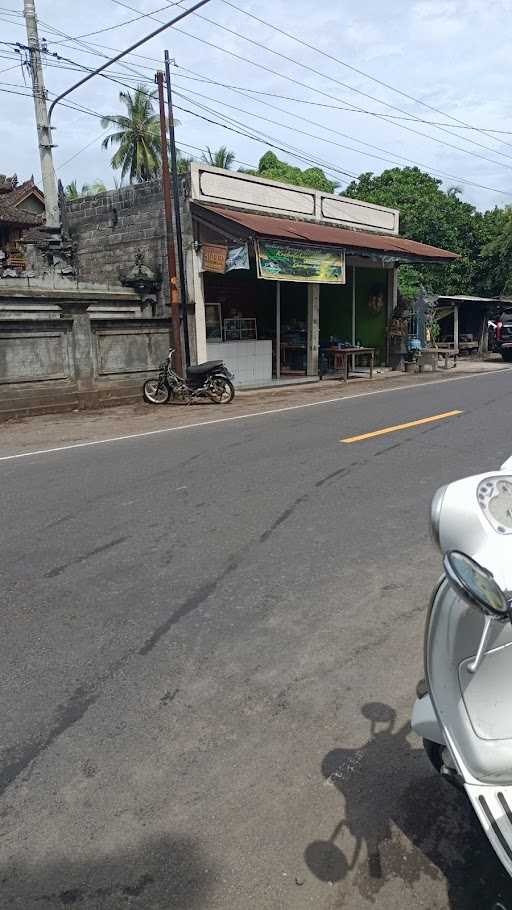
[[210, 644]]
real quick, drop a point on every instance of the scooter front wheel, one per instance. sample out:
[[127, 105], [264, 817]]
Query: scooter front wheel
[[434, 753], [155, 392]]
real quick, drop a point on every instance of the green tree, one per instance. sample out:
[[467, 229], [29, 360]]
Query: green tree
[[494, 266], [88, 189], [222, 157], [184, 162], [272, 168], [71, 191], [431, 215], [137, 137]]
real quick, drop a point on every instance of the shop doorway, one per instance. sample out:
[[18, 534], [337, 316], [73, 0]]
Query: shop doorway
[[292, 332]]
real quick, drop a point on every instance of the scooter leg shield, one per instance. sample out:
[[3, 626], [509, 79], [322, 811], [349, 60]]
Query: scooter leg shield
[[424, 721]]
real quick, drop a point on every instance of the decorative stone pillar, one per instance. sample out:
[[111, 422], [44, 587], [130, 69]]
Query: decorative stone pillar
[[83, 358]]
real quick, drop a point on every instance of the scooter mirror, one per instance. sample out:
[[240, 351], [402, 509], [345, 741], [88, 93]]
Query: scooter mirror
[[475, 584]]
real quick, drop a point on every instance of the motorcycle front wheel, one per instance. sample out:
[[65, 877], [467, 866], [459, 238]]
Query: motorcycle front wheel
[[221, 390], [155, 392]]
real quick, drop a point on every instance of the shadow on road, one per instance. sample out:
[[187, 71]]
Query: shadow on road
[[162, 874], [387, 786]]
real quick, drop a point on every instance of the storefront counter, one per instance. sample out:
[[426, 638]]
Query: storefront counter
[[249, 361]]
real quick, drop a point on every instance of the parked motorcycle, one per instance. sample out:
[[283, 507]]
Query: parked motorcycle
[[464, 711], [210, 380]]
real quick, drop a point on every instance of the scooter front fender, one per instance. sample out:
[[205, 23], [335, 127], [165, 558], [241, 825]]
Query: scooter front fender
[[424, 721]]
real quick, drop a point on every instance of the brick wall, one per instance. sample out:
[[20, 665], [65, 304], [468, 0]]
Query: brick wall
[[111, 227]]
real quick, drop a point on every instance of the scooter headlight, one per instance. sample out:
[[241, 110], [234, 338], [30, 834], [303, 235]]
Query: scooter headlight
[[435, 514]]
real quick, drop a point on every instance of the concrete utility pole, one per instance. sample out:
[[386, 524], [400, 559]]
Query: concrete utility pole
[[177, 210], [51, 199], [168, 205]]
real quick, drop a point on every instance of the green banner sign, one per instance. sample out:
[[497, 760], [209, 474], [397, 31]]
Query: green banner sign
[[289, 262]]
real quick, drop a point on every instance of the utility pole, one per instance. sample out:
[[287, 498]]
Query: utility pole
[[177, 210], [51, 199], [168, 206]]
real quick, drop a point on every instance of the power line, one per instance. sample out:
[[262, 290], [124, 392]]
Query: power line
[[139, 76], [257, 139], [321, 104], [354, 69], [264, 139], [320, 91], [337, 132], [394, 156], [378, 157], [85, 147], [111, 28], [336, 81]]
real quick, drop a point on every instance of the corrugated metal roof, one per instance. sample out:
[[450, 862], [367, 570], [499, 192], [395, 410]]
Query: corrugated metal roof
[[327, 235]]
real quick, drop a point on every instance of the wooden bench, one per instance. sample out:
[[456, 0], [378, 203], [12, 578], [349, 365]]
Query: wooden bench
[[428, 357], [447, 349]]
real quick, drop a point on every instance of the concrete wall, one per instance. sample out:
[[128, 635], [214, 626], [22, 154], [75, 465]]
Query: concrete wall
[[59, 359], [111, 227]]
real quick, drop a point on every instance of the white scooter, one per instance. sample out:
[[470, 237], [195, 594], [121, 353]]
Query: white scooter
[[464, 708]]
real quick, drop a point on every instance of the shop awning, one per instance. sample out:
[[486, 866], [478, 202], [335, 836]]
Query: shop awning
[[237, 224]]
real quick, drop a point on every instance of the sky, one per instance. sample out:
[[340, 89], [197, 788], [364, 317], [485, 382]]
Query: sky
[[449, 55]]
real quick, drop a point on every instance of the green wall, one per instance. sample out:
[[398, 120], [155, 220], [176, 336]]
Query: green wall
[[336, 310]]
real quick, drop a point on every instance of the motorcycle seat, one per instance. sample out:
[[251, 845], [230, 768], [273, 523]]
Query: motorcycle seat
[[202, 368]]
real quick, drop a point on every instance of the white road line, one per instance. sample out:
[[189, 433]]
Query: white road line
[[209, 423]]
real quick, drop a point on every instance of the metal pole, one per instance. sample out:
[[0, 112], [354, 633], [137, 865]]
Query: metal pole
[[353, 316], [124, 53], [278, 330], [171, 258], [51, 199], [177, 210], [353, 306]]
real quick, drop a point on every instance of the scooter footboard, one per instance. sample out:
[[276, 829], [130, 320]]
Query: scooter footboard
[[493, 805]]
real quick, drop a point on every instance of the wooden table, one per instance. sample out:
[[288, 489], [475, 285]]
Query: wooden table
[[341, 359]]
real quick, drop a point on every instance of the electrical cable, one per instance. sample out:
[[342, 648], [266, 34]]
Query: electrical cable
[[354, 69], [321, 92], [466, 181], [324, 127], [137, 75], [322, 75]]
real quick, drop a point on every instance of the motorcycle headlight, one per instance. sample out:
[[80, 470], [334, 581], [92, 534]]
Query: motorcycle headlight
[[435, 514]]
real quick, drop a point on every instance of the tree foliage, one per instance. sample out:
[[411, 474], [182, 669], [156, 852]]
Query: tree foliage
[[137, 137], [493, 271], [431, 215], [272, 168], [88, 189], [222, 157]]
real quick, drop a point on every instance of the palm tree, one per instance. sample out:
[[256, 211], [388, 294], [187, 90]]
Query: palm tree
[[72, 191], [137, 136], [223, 157], [88, 189], [92, 189]]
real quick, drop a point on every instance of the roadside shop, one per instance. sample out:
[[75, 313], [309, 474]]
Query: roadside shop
[[287, 281]]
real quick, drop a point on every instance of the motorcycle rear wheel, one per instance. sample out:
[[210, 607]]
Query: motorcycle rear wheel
[[221, 390], [154, 392]]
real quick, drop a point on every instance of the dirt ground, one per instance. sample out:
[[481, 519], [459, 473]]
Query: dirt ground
[[52, 430]]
